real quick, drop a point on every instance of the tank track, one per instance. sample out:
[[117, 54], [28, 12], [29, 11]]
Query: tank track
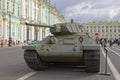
[[92, 60], [33, 61]]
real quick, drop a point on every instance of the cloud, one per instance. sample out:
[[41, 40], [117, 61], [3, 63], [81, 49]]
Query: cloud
[[86, 9], [89, 10], [77, 10], [114, 11]]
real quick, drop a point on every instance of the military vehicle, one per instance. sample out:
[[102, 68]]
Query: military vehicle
[[70, 43]]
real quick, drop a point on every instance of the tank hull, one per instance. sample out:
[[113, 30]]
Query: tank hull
[[61, 57], [70, 43]]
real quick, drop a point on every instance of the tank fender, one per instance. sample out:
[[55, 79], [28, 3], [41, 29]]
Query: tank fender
[[91, 47], [39, 47], [29, 47], [32, 47]]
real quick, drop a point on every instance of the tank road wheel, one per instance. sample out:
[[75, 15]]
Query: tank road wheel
[[33, 61], [92, 60]]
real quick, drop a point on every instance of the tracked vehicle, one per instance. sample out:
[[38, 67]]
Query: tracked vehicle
[[70, 43]]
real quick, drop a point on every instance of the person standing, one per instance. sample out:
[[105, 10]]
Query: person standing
[[118, 42], [1, 43]]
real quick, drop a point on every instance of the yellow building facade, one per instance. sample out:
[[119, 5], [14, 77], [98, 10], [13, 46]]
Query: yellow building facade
[[105, 29]]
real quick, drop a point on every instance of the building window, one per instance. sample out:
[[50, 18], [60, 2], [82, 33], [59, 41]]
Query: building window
[[26, 12], [106, 26], [91, 31], [98, 26], [114, 30], [110, 26], [13, 8], [7, 4], [114, 26], [106, 30], [102, 26], [94, 26], [98, 30], [7, 29], [13, 32], [18, 11], [118, 26], [102, 30], [106, 35], [35, 14], [110, 30]]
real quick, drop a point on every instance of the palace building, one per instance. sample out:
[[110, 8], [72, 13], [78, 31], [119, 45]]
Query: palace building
[[105, 29], [13, 14]]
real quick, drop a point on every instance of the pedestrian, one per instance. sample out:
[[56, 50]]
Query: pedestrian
[[1, 43], [18, 42], [118, 42], [110, 42], [33, 42], [14, 43], [101, 41]]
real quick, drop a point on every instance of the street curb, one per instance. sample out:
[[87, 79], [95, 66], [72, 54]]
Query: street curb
[[6, 46]]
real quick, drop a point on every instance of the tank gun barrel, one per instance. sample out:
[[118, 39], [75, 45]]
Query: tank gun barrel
[[61, 28], [38, 25]]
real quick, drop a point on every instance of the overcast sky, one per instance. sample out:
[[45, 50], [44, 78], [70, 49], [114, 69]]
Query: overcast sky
[[89, 10]]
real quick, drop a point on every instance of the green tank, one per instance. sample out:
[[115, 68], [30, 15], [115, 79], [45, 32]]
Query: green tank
[[70, 43]]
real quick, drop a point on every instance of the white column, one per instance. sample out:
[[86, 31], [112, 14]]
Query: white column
[[5, 21], [32, 33], [2, 29], [23, 12], [25, 33], [40, 34], [41, 14], [29, 8], [47, 32], [5, 6], [5, 30], [22, 33], [32, 9], [44, 15]]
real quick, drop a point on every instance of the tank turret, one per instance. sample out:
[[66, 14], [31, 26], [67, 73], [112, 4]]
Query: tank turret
[[61, 28]]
